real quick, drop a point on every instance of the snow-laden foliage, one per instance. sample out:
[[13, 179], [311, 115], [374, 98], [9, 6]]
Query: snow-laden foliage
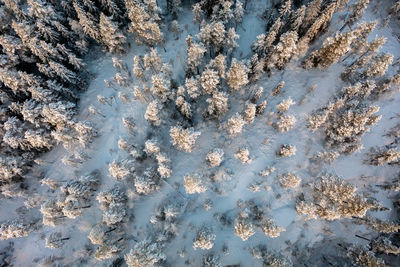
[[183, 139], [204, 239], [145, 253], [278, 89], [193, 184], [215, 157], [332, 199]]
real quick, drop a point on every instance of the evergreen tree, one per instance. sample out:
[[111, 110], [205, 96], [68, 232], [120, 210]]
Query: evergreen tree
[[110, 35]]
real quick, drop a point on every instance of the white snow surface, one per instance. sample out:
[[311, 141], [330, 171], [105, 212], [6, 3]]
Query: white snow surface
[[278, 203]]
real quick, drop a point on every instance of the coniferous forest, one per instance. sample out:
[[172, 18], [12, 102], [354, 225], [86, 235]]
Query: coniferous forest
[[200, 133]]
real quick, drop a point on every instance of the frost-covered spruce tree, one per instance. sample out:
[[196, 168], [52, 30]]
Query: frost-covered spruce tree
[[318, 26], [380, 156], [195, 53], [16, 228], [266, 45], [243, 227], [318, 118], [249, 113], [88, 22], [238, 12], [271, 229], [285, 7], [183, 107], [204, 239], [121, 170], [217, 104], [152, 114], [332, 199], [111, 35], [384, 245], [235, 125], [164, 168], [52, 212], [74, 198], [378, 225], [197, 13], [363, 257], [110, 241], [285, 123], [193, 87], [243, 154], [219, 63], [378, 66], [148, 182], [285, 105], [209, 81], [100, 233], [312, 12], [175, 28], [260, 108], [348, 124], [152, 147], [357, 11], [298, 18], [55, 240], [230, 41], [213, 35], [215, 157], [183, 139], [326, 156], [152, 61], [331, 51], [225, 11], [361, 44], [144, 17], [289, 180], [109, 249], [237, 75], [160, 87], [257, 95], [113, 204], [283, 51], [193, 184], [286, 151]]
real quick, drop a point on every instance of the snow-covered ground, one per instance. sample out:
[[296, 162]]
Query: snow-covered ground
[[260, 138]]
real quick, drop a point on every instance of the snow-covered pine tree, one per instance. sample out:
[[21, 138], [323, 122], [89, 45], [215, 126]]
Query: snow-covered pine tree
[[197, 13], [152, 114], [183, 139], [144, 17], [209, 81], [243, 228], [217, 104], [231, 37], [357, 11], [204, 239], [312, 12], [111, 36], [215, 157], [193, 184], [270, 229], [195, 53], [283, 51], [332, 50], [237, 75], [235, 125], [145, 253]]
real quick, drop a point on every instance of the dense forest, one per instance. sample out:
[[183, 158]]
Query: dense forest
[[199, 133]]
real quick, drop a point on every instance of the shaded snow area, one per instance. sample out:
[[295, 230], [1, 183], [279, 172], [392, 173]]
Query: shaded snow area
[[242, 211]]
